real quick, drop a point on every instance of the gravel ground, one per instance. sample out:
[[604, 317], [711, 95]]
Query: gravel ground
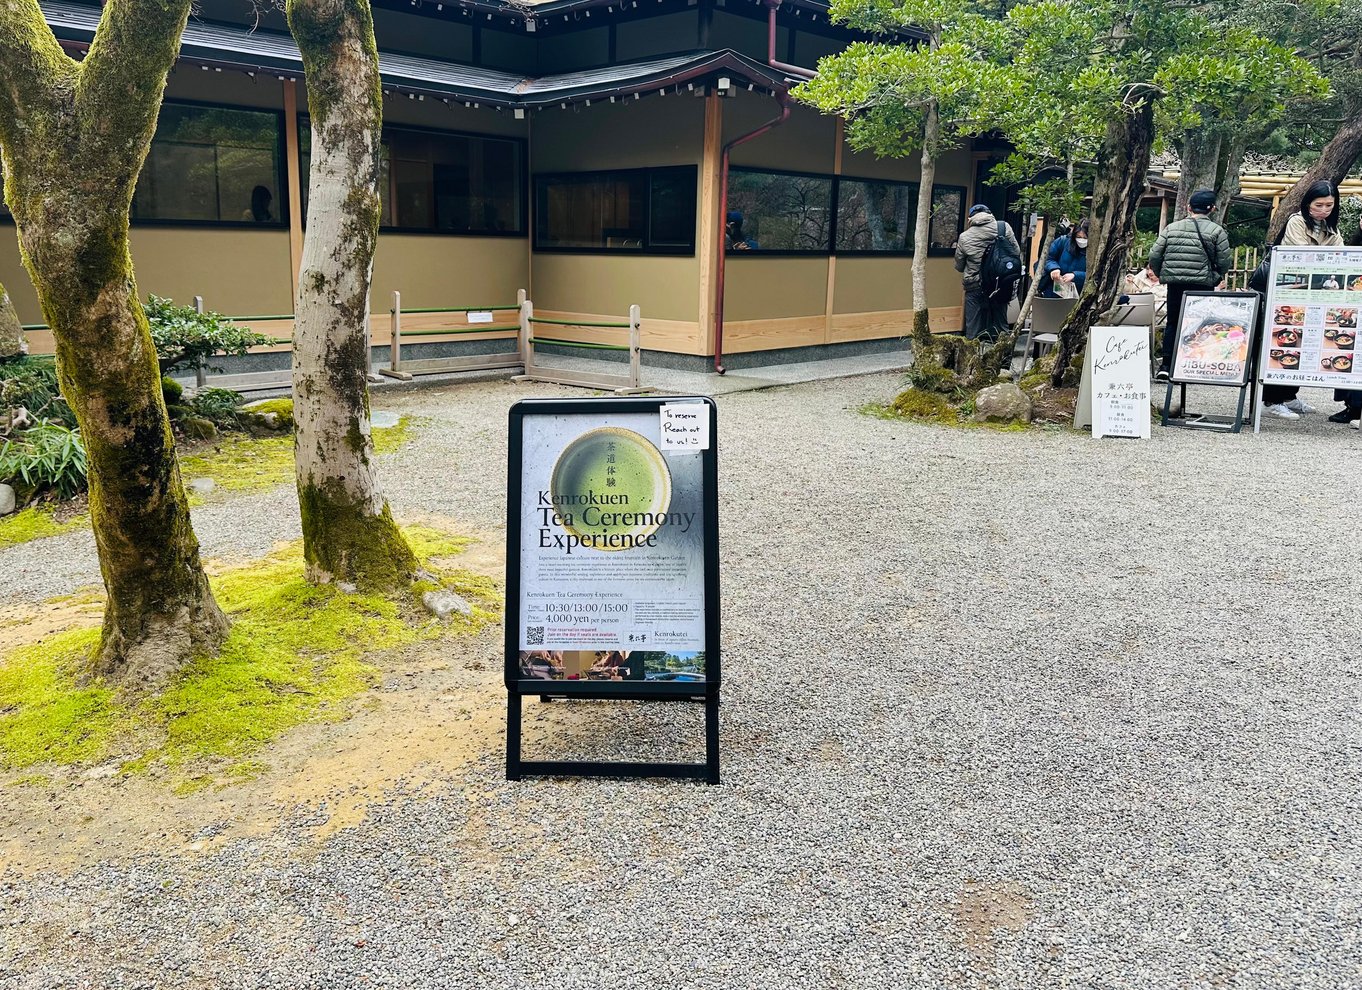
[[1000, 711]]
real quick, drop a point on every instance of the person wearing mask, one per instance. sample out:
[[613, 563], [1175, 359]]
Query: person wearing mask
[[984, 317], [1191, 253], [1066, 266], [1315, 225]]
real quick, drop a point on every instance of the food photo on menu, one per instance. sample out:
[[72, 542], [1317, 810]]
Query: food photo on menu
[[1293, 316], [1355, 283], [1214, 336], [1284, 360], [1341, 316], [1286, 337], [1339, 364], [1340, 340]]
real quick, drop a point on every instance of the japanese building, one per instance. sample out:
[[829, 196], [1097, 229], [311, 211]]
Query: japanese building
[[571, 148]]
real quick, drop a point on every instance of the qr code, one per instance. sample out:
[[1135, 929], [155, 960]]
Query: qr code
[[534, 635]]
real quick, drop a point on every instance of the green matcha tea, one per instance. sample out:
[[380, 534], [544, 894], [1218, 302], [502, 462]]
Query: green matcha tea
[[607, 477]]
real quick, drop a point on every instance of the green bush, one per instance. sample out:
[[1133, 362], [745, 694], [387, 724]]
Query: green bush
[[46, 457], [31, 382], [184, 338], [219, 405], [171, 390]]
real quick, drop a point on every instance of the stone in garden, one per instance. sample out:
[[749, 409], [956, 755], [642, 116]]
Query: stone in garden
[[383, 420], [443, 604], [1005, 375], [202, 486], [1002, 403], [270, 414], [7, 500], [197, 428]]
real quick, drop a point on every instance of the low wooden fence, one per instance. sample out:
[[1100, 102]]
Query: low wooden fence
[[625, 384]]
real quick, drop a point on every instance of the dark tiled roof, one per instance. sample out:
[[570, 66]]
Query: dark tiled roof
[[272, 52]]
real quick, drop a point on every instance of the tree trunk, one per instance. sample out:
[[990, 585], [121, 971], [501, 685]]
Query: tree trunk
[[1335, 161], [348, 533], [1116, 194], [922, 334], [1200, 160], [1036, 283], [11, 332], [74, 137], [1229, 183]]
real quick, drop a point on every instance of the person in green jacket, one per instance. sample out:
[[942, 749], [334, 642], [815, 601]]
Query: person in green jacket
[[1191, 253]]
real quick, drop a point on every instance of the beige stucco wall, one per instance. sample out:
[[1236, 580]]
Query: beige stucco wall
[[663, 287], [867, 285], [238, 272], [432, 271], [758, 288], [661, 130]]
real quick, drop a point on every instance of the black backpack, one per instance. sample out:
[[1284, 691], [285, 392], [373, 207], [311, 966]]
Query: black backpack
[[1001, 267]]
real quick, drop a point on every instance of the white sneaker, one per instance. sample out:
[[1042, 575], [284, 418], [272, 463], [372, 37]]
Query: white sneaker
[[1356, 424], [1281, 411], [1300, 406]]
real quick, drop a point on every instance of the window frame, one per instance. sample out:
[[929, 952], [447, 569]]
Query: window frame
[[836, 216], [762, 252], [522, 230], [648, 250], [281, 175]]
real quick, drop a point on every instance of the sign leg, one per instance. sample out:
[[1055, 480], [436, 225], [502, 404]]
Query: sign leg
[[513, 770], [712, 738]]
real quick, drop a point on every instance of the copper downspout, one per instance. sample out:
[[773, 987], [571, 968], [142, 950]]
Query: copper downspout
[[784, 100], [795, 70]]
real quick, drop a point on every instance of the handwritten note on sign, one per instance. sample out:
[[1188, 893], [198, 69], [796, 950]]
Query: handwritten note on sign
[[685, 426], [1118, 360]]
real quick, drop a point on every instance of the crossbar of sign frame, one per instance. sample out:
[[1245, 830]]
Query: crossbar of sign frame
[[613, 563], [1313, 299]]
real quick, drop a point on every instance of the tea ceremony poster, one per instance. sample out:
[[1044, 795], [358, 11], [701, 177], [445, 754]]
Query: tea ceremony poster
[[612, 543], [1313, 299]]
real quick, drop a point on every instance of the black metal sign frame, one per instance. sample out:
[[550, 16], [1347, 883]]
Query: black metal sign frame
[[1208, 421], [517, 688]]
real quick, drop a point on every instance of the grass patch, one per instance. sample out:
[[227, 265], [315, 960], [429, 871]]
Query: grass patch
[[35, 523], [296, 654], [933, 414]]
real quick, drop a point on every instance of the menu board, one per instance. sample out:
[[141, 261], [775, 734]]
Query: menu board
[[1313, 299], [1214, 337], [1118, 359]]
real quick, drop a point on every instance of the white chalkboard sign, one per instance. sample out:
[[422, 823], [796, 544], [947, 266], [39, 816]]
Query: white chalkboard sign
[[1118, 368]]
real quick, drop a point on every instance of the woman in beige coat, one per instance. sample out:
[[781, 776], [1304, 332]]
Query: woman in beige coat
[[1316, 225]]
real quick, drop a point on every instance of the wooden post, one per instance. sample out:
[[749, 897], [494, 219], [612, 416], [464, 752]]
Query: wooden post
[[200, 373], [828, 298], [293, 169], [394, 370], [711, 224], [526, 336], [1163, 213]]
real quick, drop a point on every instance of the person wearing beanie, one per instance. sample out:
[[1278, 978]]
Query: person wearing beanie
[[1191, 253], [984, 317]]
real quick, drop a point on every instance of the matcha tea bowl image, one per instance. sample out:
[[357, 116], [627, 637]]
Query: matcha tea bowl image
[[611, 487]]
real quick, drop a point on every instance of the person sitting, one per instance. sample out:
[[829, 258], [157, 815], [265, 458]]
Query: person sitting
[[261, 198], [1066, 266], [734, 239]]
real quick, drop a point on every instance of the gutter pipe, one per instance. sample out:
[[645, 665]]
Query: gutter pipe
[[784, 100]]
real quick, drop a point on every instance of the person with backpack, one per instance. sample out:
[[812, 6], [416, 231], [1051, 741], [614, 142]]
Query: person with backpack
[[1191, 253], [988, 257], [1066, 266]]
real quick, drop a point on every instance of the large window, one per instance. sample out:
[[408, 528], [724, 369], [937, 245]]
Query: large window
[[212, 165], [434, 181], [881, 216], [640, 210], [779, 211]]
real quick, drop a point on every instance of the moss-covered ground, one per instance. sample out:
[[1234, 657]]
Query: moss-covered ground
[[35, 523], [235, 462], [296, 654], [936, 413]]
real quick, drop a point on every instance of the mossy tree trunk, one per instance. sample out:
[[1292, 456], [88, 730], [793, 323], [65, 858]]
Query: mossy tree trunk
[[1335, 161], [74, 137], [1126, 149], [348, 533], [11, 331], [931, 135]]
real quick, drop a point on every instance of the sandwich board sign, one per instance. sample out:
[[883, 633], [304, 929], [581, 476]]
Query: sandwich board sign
[[612, 560], [1118, 374]]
